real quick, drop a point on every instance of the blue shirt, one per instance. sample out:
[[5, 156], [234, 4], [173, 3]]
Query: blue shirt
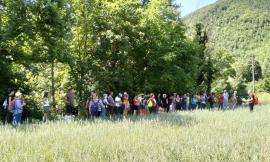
[[193, 100], [111, 101], [18, 106]]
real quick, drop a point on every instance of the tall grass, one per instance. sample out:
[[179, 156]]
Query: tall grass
[[199, 136]]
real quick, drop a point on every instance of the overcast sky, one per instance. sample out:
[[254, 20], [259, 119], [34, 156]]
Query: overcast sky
[[189, 6]]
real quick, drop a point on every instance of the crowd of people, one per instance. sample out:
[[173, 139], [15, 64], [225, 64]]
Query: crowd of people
[[13, 108], [109, 105], [122, 104]]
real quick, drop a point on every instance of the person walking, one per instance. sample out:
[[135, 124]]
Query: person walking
[[103, 102], [234, 100], [226, 99], [178, 103], [18, 109], [159, 109], [221, 102], [203, 101], [193, 102], [142, 105], [211, 100], [89, 99], [9, 107], [70, 102], [46, 106], [174, 102], [152, 104], [165, 103], [126, 105], [118, 104], [251, 101], [93, 108], [111, 104], [136, 104]]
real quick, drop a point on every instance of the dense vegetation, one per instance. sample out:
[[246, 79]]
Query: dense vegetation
[[238, 28], [126, 45], [120, 45], [199, 136]]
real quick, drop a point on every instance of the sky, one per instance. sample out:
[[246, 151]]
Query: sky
[[188, 6]]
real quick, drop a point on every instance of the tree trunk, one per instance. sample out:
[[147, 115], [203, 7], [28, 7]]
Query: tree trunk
[[53, 84], [81, 98]]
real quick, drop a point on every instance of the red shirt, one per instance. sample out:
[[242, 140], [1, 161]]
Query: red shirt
[[220, 99], [136, 102]]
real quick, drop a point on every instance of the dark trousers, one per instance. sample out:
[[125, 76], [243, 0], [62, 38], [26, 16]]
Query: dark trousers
[[95, 114], [69, 109], [211, 105], [9, 117], [203, 106], [17, 118], [110, 110], [118, 110], [152, 110], [251, 107], [193, 106]]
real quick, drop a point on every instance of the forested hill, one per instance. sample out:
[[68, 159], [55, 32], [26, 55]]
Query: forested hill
[[241, 27]]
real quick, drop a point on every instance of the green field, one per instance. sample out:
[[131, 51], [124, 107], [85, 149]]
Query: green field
[[197, 136]]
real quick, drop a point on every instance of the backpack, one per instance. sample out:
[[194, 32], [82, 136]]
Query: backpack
[[11, 106], [211, 99], [150, 103], [256, 100], [94, 106]]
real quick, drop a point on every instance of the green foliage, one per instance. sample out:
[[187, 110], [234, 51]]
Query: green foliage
[[240, 29], [94, 45], [264, 85]]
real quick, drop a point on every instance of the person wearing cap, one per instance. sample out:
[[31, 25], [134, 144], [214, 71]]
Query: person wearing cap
[[19, 104]]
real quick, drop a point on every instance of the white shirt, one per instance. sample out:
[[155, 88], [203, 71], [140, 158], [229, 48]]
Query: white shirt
[[46, 102], [226, 96], [118, 101]]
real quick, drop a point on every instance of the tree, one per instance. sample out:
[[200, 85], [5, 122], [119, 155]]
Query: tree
[[206, 71], [52, 27]]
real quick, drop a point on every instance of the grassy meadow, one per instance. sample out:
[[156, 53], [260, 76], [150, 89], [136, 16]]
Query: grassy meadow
[[197, 136]]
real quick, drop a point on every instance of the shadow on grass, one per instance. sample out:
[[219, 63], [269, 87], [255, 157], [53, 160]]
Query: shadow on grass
[[166, 119], [170, 119]]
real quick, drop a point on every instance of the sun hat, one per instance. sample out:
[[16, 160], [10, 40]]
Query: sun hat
[[17, 94]]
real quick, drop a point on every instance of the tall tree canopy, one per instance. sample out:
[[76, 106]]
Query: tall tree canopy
[[96, 45]]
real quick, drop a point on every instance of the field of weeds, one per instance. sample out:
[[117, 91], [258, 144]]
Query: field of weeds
[[186, 136]]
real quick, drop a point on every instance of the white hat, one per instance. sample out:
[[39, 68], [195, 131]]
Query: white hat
[[17, 94]]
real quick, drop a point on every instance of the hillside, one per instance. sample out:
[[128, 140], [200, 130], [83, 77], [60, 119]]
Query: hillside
[[241, 27]]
